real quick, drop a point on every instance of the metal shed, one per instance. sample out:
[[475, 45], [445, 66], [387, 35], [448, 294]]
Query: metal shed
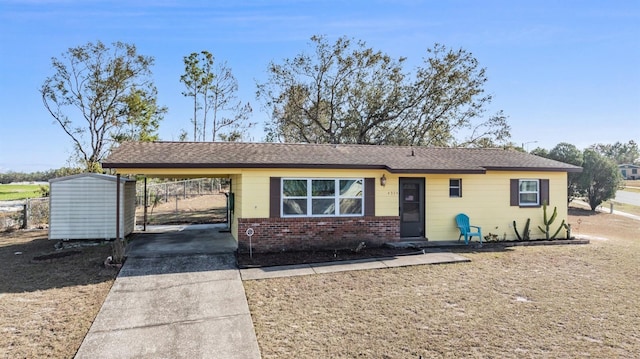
[[83, 206]]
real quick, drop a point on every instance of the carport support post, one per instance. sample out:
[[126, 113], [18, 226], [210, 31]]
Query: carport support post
[[146, 204], [118, 207], [117, 246]]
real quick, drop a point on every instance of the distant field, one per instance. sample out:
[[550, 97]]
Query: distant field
[[12, 192]]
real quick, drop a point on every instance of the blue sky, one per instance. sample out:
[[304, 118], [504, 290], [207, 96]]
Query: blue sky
[[563, 71]]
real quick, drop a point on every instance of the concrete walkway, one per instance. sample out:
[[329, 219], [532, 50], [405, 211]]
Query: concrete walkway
[[179, 295], [342, 266]]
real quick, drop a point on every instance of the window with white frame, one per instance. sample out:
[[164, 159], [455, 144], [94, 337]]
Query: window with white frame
[[529, 192], [322, 197], [455, 187]]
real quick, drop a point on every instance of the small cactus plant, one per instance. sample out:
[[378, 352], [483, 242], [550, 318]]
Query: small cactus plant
[[525, 233], [548, 221]]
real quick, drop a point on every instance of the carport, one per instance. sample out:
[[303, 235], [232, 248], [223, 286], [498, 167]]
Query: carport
[[177, 239]]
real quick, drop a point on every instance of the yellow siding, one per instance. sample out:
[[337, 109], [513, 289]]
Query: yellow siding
[[486, 200], [388, 197]]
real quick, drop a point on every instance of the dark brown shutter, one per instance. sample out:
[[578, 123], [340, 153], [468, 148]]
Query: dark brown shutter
[[515, 198], [369, 196], [544, 191], [274, 197]]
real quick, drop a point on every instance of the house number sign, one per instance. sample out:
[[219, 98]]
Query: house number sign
[[249, 233]]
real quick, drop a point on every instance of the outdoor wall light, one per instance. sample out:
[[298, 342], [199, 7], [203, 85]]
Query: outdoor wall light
[[383, 180]]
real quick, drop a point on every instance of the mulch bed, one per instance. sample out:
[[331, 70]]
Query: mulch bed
[[317, 256], [544, 242], [244, 260]]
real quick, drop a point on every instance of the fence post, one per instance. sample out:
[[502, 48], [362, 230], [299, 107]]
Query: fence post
[[25, 215], [184, 185], [611, 207], [166, 192], [146, 205]]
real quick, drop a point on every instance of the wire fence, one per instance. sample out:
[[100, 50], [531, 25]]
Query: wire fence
[[25, 214], [34, 212], [164, 192]]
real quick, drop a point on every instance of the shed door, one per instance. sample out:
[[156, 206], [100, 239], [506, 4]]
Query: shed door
[[412, 207]]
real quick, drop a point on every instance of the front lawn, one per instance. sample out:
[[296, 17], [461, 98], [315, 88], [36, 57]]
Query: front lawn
[[12, 192], [547, 301], [48, 299]]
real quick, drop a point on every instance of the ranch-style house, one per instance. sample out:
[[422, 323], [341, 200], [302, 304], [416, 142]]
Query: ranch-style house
[[307, 196]]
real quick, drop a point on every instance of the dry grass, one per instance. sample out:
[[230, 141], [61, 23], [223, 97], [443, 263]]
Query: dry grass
[[632, 183], [622, 207], [47, 307], [555, 301], [632, 186]]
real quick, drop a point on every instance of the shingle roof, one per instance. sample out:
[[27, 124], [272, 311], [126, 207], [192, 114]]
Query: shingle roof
[[399, 159]]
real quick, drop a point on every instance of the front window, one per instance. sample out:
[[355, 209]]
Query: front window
[[294, 197], [322, 197], [529, 192]]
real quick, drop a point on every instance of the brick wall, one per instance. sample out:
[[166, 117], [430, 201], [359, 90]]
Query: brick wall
[[278, 234]]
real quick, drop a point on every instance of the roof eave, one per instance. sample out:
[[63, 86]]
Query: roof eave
[[113, 165], [437, 171], [239, 165], [537, 169]]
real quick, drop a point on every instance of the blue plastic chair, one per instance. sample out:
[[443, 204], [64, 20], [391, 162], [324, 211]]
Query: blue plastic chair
[[466, 230]]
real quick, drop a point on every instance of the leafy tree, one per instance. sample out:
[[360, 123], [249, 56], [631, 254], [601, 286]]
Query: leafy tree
[[348, 93], [620, 153], [38, 176], [91, 93], [213, 88], [447, 97], [143, 119], [568, 153], [539, 151], [600, 178], [198, 78]]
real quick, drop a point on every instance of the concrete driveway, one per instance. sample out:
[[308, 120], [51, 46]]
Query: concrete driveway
[[179, 295], [173, 240]]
